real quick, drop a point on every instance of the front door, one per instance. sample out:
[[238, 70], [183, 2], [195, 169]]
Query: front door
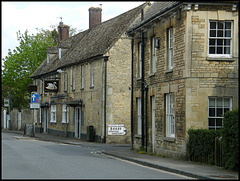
[[78, 122], [45, 122], [153, 124]]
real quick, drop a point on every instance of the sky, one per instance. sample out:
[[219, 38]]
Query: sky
[[22, 15]]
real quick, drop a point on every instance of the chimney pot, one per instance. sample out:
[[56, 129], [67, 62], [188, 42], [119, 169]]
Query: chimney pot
[[95, 16], [63, 31]]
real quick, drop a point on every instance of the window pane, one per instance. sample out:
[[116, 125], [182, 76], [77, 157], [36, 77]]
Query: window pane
[[220, 33], [212, 112], [219, 112], [212, 42], [226, 110], [219, 50], [212, 33], [227, 50], [212, 50], [226, 42], [219, 102], [227, 33], [218, 122], [228, 25], [211, 122], [220, 25], [211, 102], [212, 25], [226, 102], [220, 42]]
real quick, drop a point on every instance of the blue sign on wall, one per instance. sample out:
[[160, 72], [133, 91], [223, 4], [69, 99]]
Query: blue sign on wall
[[34, 98]]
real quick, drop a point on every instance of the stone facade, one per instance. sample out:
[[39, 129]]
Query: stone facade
[[93, 83], [194, 78]]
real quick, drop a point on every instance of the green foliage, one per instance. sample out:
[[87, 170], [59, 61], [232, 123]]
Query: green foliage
[[230, 140], [21, 63], [200, 145]]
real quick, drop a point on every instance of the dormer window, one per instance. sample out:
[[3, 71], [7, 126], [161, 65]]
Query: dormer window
[[59, 53], [48, 57]]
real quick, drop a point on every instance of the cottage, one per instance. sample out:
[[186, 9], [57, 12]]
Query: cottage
[[185, 72], [84, 84]]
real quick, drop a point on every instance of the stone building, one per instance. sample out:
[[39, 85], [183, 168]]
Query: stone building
[[185, 72], [85, 82]]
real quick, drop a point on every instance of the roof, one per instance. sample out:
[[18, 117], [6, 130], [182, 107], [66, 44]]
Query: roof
[[90, 43], [156, 9], [159, 8]]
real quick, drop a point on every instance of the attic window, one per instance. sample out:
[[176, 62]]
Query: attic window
[[59, 53], [48, 57]]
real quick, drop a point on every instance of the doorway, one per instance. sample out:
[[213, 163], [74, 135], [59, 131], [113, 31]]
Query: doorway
[[78, 125], [45, 120]]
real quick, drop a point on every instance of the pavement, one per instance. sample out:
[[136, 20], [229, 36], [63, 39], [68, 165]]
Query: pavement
[[123, 151]]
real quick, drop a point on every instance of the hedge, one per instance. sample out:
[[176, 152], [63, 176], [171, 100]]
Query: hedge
[[201, 143], [230, 142]]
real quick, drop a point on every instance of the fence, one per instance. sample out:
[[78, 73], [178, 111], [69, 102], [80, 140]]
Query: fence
[[213, 156]]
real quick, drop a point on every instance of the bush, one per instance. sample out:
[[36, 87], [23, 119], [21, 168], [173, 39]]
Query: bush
[[230, 142], [200, 145]]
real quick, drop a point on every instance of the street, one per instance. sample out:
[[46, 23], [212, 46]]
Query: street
[[28, 158]]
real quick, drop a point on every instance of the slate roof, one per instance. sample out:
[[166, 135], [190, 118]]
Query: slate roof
[[90, 43], [155, 9]]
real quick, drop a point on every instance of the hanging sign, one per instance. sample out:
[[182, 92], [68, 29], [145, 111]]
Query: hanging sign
[[51, 86], [116, 129]]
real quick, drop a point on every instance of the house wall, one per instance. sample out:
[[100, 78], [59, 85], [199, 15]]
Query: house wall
[[209, 77], [118, 88], [193, 79], [118, 95]]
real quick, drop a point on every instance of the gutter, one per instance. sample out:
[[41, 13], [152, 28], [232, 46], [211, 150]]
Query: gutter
[[153, 17], [132, 44]]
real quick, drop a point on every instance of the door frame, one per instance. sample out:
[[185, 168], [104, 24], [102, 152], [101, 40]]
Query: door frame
[[78, 125]]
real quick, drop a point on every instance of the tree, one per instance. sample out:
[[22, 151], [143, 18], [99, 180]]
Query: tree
[[22, 62]]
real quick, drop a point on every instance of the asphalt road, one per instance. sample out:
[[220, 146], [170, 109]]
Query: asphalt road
[[28, 158]]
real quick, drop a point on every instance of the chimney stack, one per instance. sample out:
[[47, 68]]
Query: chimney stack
[[63, 31], [95, 16]]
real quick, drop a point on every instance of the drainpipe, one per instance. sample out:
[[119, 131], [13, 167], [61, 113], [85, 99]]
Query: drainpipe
[[142, 88], [105, 98], [132, 44], [146, 129], [142, 83]]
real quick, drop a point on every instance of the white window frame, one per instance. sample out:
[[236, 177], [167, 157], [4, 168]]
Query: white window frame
[[170, 115], [65, 113], [139, 112], [219, 110], [48, 57], [82, 83], [73, 78], [217, 39], [92, 75], [53, 113], [170, 49], [65, 81], [139, 72], [41, 87], [153, 55], [59, 53]]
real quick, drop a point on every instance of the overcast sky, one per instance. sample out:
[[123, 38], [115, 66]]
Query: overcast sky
[[36, 14]]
